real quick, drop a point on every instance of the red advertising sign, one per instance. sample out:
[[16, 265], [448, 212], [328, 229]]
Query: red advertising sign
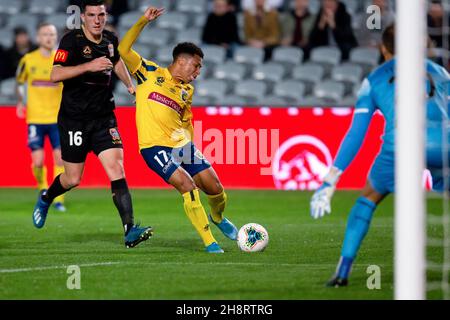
[[257, 148]]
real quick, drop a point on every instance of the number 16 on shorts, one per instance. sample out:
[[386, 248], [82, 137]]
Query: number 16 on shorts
[[75, 138]]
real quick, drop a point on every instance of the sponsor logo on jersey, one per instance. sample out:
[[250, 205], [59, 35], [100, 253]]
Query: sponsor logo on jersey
[[162, 99], [111, 50], [44, 83], [61, 55], [115, 136]]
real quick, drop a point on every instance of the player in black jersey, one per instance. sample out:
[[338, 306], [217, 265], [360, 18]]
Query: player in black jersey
[[84, 62]]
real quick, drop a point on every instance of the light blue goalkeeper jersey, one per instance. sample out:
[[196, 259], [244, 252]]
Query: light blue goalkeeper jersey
[[377, 92]]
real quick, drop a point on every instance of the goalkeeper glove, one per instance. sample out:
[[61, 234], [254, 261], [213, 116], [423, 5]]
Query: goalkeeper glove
[[321, 200]]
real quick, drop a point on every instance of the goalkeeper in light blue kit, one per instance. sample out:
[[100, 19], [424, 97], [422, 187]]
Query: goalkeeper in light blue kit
[[377, 93]]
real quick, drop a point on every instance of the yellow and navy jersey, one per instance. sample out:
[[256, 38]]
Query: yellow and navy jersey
[[163, 107], [43, 96]]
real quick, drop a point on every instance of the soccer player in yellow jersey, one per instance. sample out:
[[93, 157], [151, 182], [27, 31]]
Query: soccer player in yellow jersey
[[165, 132], [41, 109]]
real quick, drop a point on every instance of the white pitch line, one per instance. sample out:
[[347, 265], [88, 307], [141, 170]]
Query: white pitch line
[[143, 263], [56, 267]]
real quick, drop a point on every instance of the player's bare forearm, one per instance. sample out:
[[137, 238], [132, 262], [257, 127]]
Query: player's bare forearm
[[122, 72], [60, 73], [20, 93]]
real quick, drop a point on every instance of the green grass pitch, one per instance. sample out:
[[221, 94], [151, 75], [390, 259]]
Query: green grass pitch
[[301, 255]]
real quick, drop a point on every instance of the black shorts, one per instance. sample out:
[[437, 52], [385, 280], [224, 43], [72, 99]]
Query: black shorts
[[79, 137]]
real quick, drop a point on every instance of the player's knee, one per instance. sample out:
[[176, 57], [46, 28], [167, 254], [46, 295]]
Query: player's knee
[[73, 180]]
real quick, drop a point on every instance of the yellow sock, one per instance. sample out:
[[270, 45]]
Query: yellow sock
[[196, 213], [57, 170], [41, 177], [217, 202]]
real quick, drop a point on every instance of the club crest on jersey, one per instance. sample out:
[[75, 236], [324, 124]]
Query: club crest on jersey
[[111, 50], [115, 136], [184, 95], [87, 52], [160, 81]]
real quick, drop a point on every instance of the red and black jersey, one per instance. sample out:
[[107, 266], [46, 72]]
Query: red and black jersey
[[88, 96]]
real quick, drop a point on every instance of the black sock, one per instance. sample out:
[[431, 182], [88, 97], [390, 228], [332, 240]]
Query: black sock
[[122, 200], [56, 189]]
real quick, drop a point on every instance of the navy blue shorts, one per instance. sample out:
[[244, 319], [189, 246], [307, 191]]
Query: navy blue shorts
[[165, 160], [37, 133]]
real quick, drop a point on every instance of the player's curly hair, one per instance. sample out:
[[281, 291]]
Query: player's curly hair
[[186, 48], [85, 3]]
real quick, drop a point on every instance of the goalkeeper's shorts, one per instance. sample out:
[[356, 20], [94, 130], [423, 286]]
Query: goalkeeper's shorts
[[381, 176], [165, 160]]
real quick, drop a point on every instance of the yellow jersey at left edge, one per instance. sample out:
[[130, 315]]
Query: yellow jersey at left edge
[[43, 96]]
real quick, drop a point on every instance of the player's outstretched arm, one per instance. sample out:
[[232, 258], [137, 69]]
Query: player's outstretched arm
[[60, 73], [321, 200], [131, 58]]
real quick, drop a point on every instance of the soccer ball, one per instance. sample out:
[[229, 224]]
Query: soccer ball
[[252, 237]]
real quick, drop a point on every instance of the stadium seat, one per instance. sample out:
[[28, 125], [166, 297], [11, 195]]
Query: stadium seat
[[272, 101], [154, 37], [193, 35], [173, 20], [249, 55], [292, 91], [166, 4], [269, 72], [123, 99], [203, 101], [251, 90], [59, 20], [349, 74], [163, 55], [191, 6], [211, 88], [310, 74], [8, 87], [330, 91], [328, 57], [7, 100], [289, 56], [311, 101], [205, 72], [230, 71], [10, 7], [314, 6], [6, 38], [143, 50], [232, 100], [27, 20], [199, 20], [353, 6], [366, 57], [213, 54], [348, 101], [128, 19], [43, 6]]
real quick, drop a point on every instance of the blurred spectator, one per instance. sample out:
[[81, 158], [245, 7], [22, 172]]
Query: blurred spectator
[[435, 22], [22, 45], [115, 9], [372, 38], [333, 27], [3, 67], [297, 25], [261, 28], [270, 4], [221, 27]]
